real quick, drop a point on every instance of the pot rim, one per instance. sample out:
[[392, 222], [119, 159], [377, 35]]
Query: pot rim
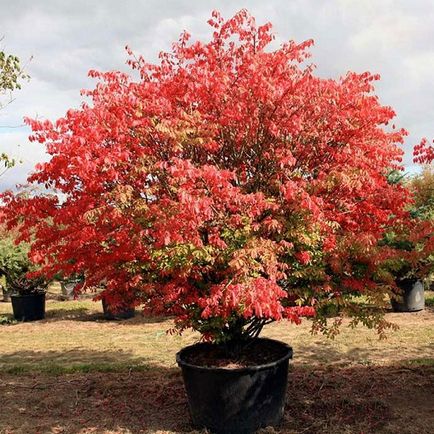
[[410, 279], [35, 294], [245, 369]]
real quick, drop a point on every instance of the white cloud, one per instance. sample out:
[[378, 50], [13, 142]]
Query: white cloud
[[66, 39], [26, 154]]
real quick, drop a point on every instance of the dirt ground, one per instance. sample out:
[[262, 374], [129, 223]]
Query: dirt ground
[[357, 399], [76, 373]]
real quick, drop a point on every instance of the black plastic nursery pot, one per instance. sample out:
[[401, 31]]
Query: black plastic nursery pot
[[240, 400], [412, 296], [117, 314], [29, 307]]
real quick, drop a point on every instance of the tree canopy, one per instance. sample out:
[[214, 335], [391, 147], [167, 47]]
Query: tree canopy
[[227, 185]]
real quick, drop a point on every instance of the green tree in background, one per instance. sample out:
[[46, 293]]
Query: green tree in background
[[11, 74], [422, 187]]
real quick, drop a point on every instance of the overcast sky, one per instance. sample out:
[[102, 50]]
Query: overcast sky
[[67, 38]]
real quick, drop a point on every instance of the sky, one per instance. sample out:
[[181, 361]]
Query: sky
[[59, 41]]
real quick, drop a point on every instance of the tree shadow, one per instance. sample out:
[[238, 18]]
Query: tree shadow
[[387, 399], [321, 399], [83, 314], [77, 314], [70, 361], [82, 390], [322, 353]]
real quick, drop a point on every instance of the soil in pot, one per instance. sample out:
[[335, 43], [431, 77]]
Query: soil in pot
[[240, 395], [412, 296], [29, 307], [111, 313]]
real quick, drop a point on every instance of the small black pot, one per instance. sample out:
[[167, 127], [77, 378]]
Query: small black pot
[[116, 314], [28, 307], [242, 400], [412, 296]]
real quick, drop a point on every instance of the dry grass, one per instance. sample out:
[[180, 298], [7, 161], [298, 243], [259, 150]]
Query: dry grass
[[121, 377], [357, 399], [75, 334]]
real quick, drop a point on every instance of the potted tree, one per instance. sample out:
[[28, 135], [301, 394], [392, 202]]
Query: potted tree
[[230, 187], [28, 298], [405, 265], [411, 258], [422, 188], [27, 294]]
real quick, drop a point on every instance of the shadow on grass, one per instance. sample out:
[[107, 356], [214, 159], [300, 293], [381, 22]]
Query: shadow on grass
[[372, 399], [71, 361], [69, 312], [97, 390], [323, 353], [79, 314], [113, 391]]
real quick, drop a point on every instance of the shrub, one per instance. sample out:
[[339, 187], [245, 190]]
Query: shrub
[[410, 240], [228, 185], [15, 265]]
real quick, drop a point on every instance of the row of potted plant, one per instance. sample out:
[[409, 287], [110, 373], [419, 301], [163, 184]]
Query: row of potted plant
[[27, 293]]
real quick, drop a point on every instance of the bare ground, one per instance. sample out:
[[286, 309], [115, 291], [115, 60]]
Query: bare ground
[[357, 399], [75, 373]]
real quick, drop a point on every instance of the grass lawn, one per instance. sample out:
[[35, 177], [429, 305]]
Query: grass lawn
[[74, 372]]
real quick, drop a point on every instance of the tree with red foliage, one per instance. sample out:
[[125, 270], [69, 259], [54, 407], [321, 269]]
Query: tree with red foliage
[[226, 185]]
